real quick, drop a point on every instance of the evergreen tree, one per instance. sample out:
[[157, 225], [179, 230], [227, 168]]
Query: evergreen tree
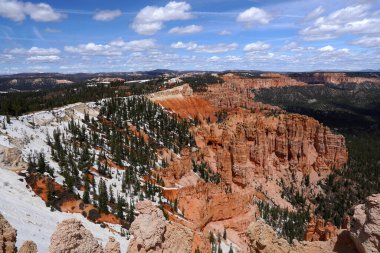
[[102, 196], [86, 194]]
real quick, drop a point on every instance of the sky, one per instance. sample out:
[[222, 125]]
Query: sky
[[125, 35]]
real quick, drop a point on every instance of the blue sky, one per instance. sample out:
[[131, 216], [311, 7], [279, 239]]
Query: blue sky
[[124, 35]]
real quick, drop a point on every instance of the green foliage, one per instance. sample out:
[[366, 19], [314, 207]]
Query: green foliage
[[350, 185], [102, 196], [200, 82], [18, 103], [205, 172], [289, 225], [38, 163]]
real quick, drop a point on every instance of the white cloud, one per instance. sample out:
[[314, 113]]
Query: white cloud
[[151, 19], [253, 16], [213, 58], [114, 48], [107, 15], [327, 49], [13, 10], [186, 29], [315, 13], [44, 58], [367, 41], [350, 20], [256, 46], [224, 32], [34, 51], [18, 10], [42, 12], [215, 48]]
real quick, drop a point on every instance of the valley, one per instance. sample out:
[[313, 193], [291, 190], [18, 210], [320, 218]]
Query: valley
[[204, 164]]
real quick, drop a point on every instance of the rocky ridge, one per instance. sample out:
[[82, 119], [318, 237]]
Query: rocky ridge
[[251, 152], [365, 231], [152, 233], [7, 236], [263, 239]]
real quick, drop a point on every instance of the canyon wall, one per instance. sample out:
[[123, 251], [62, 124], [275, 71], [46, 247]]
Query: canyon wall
[[336, 78]]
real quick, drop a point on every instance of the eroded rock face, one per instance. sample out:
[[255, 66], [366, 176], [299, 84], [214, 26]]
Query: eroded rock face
[[263, 239], [365, 231], [11, 159], [28, 247], [336, 78], [7, 236], [71, 236], [319, 230], [250, 145], [151, 233], [112, 246]]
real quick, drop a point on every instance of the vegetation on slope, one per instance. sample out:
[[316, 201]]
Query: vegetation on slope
[[354, 111]]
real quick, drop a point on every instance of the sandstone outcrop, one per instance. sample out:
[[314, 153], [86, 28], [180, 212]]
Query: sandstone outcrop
[[336, 78], [10, 158], [7, 236], [263, 239], [265, 80], [250, 145], [71, 236], [28, 247], [152, 233], [365, 230], [252, 151], [318, 230], [112, 246]]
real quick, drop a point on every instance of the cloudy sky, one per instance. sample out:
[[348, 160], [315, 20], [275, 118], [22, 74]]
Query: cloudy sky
[[126, 35]]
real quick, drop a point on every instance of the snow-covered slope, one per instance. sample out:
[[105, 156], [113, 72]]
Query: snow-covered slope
[[33, 220], [19, 205]]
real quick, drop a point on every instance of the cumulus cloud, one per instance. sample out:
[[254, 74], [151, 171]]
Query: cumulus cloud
[[35, 54], [107, 15], [350, 20], [18, 10], [43, 58], [215, 48], [326, 49], [253, 16], [151, 19], [34, 51], [315, 13], [186, 29], [256, 46], [114, 48]]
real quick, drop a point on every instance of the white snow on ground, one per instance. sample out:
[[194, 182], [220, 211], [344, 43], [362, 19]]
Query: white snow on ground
[[4, 141], [225, 245], [27, 213]]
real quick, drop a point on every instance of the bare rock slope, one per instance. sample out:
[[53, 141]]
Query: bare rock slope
[[7, 236], [72, 237], [365, 231], [153, 234]]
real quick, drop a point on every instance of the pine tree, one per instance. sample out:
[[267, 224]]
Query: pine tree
[[102, 196], [231, 250], [112, 198], [225, 234], [119, 207], [86, 194]]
